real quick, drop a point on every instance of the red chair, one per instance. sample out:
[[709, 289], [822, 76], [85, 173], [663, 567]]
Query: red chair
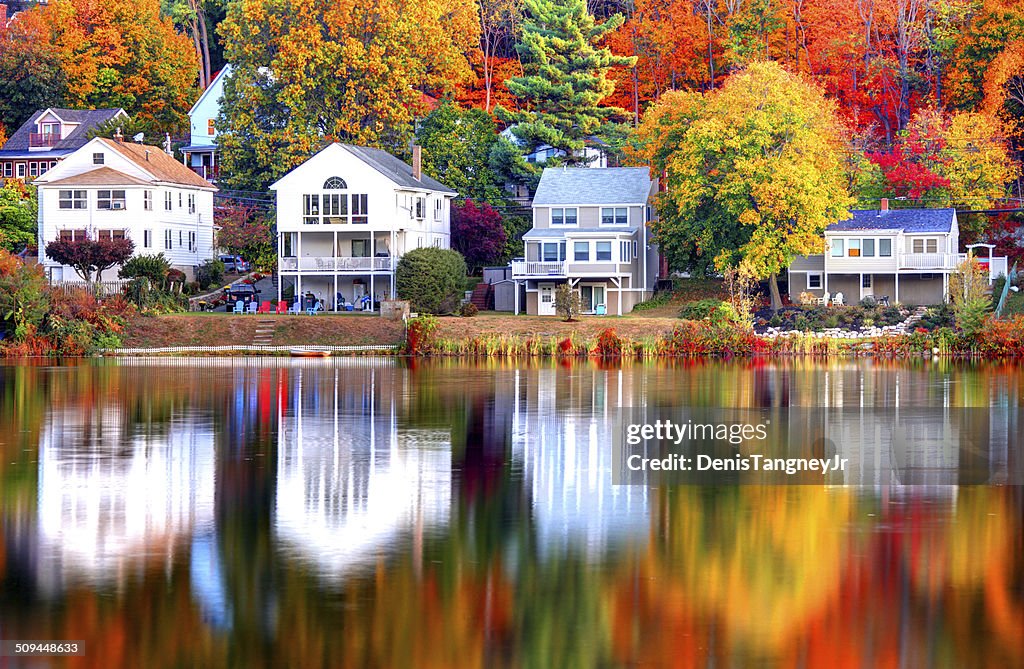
[[282, 307], [264, 307]]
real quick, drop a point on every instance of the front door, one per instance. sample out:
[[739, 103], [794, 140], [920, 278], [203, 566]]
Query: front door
[[867, 285], [546, 299]]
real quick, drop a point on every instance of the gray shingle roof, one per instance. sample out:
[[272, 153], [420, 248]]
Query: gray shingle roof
[[87, 118], [593, 185], [907, 220], [395, 169]]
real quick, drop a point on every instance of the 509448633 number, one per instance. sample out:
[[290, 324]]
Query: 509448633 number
[[24, 648]]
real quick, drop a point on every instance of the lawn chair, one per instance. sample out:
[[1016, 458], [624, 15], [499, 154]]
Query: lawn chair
[[264, 307], [824, 299], [282, 307], [838, 300], [253, 308], [239, 307], [295, 309], [319, 306], [601, 310]]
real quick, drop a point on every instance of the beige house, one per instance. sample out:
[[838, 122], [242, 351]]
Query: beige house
[[590, 231], [905, 255]]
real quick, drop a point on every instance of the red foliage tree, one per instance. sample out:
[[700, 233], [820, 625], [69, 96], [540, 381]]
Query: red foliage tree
[[477, 233], [89, 257]]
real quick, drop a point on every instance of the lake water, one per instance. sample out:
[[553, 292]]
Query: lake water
[[380, 513]]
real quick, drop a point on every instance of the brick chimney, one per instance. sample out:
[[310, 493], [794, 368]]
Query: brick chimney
[[884, 206], [417, 162]]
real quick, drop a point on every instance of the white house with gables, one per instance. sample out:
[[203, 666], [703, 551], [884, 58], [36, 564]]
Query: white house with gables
[[905, 255], [201, 153], [122, 189], [346, 215]]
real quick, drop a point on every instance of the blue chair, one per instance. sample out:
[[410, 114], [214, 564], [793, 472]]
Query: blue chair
[[295, 308], [239, 307], [253, 308], [600, 310], [315, 308]]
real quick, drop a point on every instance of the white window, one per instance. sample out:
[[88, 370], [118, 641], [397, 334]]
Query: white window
[[604, 251], [814, 279], [624, 252], [72, 199], [581, 251], [97, 159], [33, 169], [563, 216], [360, 211], [614, 216], [311, 209], [865, 281], [72, 235], [147, 239], [191, 203], [885, 248], [110, 199], [853, 248], [168, 244], [147, 200], [868, 248], [181, 239], [438, 208], [421, 208], [360, 248], [111, 234], [552, 252], [179, 200], [634, 249], [838, 248], [167, 200], [19, 170], [335, 207], [191, 242], [7, 169], [921, 245]]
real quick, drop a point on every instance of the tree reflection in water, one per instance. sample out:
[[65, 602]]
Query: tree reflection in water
[[364, 513]]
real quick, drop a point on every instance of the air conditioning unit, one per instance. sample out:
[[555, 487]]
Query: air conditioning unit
[[117, 205]]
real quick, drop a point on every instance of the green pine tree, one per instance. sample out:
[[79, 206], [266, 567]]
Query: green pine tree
[[565, 77]]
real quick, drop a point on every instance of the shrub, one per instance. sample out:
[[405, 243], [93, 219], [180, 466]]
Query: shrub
[[832, 321], [89, 257], [699, 310], [868, 302], [609, 345], [152, 267], [967, 290], [419, 335], [23, 296], [568, 304], [431, 279], [210, 273], [469, 309], [175, 276]]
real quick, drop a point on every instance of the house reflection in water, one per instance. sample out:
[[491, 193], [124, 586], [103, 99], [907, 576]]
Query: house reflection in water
[[350, 485], [112, 499]]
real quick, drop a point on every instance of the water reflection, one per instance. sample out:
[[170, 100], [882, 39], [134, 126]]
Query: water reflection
[[365, 513]]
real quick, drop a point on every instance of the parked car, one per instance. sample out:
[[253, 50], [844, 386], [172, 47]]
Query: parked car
[[235, 264], [243, 292]]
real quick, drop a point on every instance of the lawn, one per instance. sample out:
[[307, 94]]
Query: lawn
[[220, 329]]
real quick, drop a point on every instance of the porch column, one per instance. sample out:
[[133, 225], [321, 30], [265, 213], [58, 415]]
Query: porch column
[[945, 285], [516, 283], [371, 290], [618, 284], [334, 298], [391, 260], [897, 299], [280, 280], [824, 281]]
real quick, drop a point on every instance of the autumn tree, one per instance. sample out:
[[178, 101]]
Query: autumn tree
[[33, 76], [457, 146], [753, 170], [565, 77], [477, 233], [498, 19], [18, 210], [191, 16], [245, 230], [309, 73], [90, 257]]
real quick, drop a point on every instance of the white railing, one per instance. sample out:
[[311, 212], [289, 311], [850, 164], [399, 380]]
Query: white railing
[[531, 268], [929, 260], [98, 288], [331, 264]]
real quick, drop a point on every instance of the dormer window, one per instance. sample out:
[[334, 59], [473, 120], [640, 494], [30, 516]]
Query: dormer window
[[97, 159]]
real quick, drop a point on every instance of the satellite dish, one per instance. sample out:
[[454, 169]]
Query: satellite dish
[[139, 137]]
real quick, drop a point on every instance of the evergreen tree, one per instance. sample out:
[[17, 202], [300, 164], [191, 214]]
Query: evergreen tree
[[457, 145], [565, 77]]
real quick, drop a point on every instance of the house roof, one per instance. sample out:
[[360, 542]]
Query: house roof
[[593, 185], [155, 161], [87, 119], [223, 72], [394, 168], [101, 176], [896, 220]]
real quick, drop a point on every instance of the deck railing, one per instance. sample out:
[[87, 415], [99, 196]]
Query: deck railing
[[335, 264], [532, 268]]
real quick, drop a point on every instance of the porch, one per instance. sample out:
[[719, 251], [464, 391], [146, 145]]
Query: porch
[[337, 292], [337, 252], [610, 296]]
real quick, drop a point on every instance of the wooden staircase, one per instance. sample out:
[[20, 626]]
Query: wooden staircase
[[483, 297]]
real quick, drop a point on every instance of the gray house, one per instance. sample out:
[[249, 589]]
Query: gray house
[[906, 255], [590, 231]]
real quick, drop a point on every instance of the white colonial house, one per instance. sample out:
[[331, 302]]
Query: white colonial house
[[894, 255], [121, 189], [346, 215], [590, 230]]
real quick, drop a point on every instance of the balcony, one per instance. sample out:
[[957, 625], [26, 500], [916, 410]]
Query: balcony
[[529, 268], [42, 140], [927, 261], [208, 172], [331, 264]]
